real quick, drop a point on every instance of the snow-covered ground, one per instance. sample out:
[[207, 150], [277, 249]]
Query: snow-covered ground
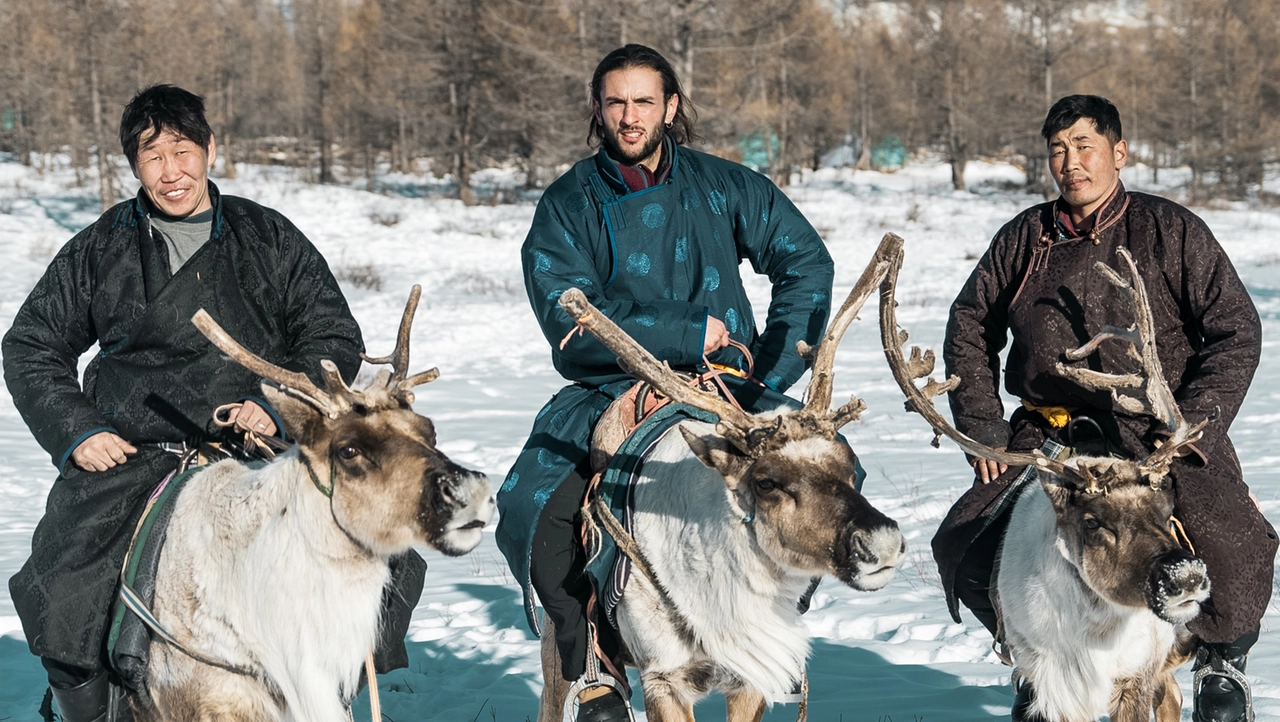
[[889, 655]]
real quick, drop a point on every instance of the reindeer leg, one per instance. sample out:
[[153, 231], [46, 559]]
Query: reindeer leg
[[663, 699], [744, 705], [1132, 700], [554, 687], [1167, 702]]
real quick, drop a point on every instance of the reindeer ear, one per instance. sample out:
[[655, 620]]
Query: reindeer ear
[[301, 420], [1057, 488], [716, 453]]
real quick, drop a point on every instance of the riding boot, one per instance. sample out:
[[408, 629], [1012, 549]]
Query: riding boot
[[1023, 697], [608, 706], [1222, 691], [86, 702]]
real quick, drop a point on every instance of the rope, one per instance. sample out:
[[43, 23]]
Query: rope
[[1180, 534], [371, 676]]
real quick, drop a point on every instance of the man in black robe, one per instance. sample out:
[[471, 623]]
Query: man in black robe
[[1037, 283], [130, 283]]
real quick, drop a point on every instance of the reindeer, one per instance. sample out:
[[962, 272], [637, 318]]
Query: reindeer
[[731, 522], [271, 578], [1093, 587]]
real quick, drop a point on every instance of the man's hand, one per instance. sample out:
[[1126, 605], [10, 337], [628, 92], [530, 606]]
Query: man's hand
[[717, 336], [252, 417], [102, 451], [987, 470]]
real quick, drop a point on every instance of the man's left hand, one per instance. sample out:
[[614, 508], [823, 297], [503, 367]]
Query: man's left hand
[[252, 417]]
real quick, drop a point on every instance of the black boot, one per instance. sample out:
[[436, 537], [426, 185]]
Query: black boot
[[609, 707], [86, 702], [98, 700], [1023, 696], [1222, 691]]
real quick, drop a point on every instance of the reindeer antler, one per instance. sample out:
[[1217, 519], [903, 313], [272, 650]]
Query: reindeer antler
[[336, 398], [398, 383], [636, 361], [920, 365], [332, 402], [1154, 397], [822, 379]]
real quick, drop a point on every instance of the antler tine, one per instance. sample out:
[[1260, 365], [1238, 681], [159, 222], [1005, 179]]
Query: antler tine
[[1159, 400], [638, 362], [921, 400], [818, 402], [399, 358], [293, 382]]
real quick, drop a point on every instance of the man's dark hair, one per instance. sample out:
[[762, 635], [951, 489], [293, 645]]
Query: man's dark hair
[[1068, 110], [640, 56], [160, 108]]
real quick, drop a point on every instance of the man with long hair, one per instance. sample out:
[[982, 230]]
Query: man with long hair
[[652, 232]]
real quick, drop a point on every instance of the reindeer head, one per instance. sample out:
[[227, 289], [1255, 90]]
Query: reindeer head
[[1114, 517], [389, 487], [786, 473]]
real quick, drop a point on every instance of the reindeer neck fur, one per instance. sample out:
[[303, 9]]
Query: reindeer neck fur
[[276, 537], [735, 607], [1069, 641]]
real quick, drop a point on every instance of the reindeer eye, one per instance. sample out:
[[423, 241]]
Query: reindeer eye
[[765, 484], [347, 453], [1091, 524]]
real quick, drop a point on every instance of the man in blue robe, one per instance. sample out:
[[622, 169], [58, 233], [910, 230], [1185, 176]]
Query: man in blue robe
[[653, 233]]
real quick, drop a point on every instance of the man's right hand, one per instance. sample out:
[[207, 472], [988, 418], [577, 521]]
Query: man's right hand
[[717, 336], [987, 470], [102, 451]]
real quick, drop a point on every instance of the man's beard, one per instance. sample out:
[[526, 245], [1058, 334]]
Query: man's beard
[[615, 150]]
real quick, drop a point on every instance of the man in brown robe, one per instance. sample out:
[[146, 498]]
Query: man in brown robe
[[1036, 283]]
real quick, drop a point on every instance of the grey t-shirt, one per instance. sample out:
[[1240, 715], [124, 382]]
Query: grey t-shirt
[[183, 236]]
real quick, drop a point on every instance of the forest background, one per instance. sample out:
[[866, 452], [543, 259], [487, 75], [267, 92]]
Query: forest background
[[353, 90]]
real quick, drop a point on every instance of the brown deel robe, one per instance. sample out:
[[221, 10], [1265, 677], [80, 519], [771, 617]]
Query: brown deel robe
[[1044, 288]]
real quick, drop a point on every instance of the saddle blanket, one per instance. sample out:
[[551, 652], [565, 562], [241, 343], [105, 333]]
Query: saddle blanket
[[608, 569]]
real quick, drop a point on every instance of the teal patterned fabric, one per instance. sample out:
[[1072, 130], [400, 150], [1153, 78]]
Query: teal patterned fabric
[[657, 262]]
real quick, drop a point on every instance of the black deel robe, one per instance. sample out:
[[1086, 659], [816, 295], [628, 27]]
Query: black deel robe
[[1041, 289], [156, 379]]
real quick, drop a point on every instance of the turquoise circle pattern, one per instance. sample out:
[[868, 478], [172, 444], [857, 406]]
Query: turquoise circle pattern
[[731, 320], [719, 204], [710, 278], [689, 199], [682, 249], [638, 264], [509, 483], [541, 262], [653, 215]]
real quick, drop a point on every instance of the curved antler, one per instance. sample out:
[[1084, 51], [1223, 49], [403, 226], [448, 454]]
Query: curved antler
[[822, 380], [636, 361], [398, 382], [920, 365], [331, 402], [1155, 397]]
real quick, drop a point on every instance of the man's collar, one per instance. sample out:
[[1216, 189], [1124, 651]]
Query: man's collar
[[143, 207], [614, 173], [1103, 217]]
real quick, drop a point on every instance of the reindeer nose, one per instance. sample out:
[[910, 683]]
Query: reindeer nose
[[1179, 583]]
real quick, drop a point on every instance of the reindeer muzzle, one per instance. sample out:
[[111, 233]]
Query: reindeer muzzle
[[464, 505], [867, 555], [1178, 585]]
